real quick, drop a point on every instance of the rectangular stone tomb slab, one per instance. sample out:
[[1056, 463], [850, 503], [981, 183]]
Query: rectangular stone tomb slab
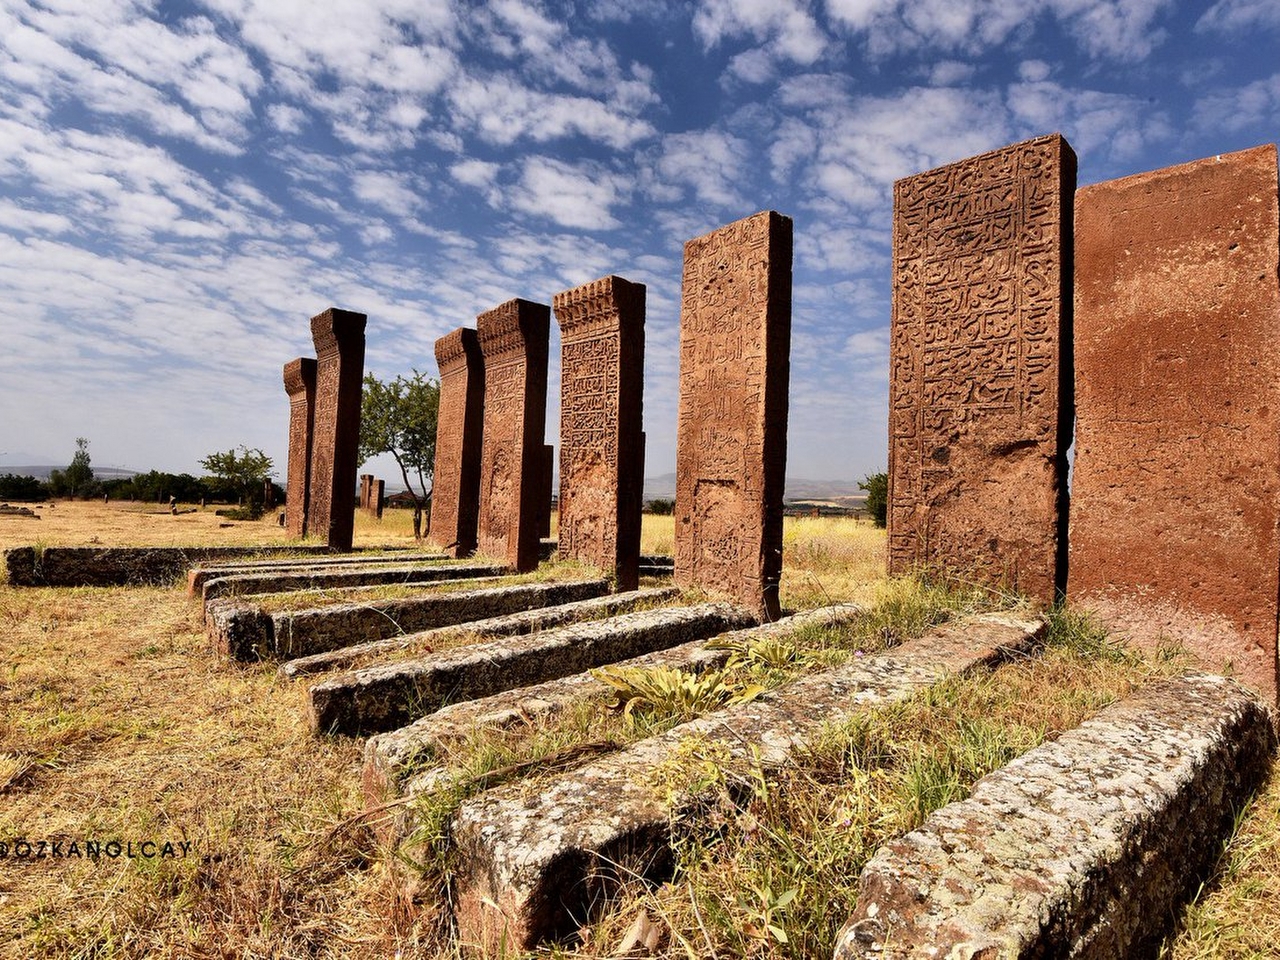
[[320, 578], [398, 761], [383, 698], [533, 861], [455, 491], [980, 383], [527, 621], [1083, 847], [731, 439], [119, 566], [513, 341], [1175, 502], [198, 576], [245, 631], [601, 409], [304, 632]]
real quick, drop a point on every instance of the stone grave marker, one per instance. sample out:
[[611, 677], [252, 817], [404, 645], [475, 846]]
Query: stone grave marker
[[1175, 513], [980, 383], [339, 340], [513, 342], [601, 447], [731, 443], [455, 492], [300, 385]]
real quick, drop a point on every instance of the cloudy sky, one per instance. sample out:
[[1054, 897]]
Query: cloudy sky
[[183, 184]]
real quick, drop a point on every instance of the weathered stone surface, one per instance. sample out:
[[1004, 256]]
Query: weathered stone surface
[[1175, 505], [300, 385], [535, 861], [304, 632], [383, 698], [378, 498], [391, 756], [547, 471], [198, 575], [237, 629], [335, 438], [601, 397], [980, 368], [319, 578], [455, 492], [1082, 847], [513, 340], [731, 442], [117, 566], [366, 489], [530, 621]]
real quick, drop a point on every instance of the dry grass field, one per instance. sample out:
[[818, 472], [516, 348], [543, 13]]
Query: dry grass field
[[119, 725]]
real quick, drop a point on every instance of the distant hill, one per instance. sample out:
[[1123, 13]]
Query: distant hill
[[42, 472], [663, 487]]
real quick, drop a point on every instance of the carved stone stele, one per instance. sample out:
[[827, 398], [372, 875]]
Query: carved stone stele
[[300, 385], [339, 340], [731, 442], [601, 447], [513, 342], [980, 372], [455, 485]]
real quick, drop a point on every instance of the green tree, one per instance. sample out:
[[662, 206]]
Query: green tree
[[877, 487], [399, 417], [79, 474], [243, 471]]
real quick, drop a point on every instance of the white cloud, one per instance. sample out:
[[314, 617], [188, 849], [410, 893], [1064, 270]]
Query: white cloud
[[950, 73], [787, 25], [573, 196], [1254, 105], [710, 162], [1237, 16]]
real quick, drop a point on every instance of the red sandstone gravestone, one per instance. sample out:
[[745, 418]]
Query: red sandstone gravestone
[[731, 441], [377, 498], [300, 385], [339, 340], [601, 453], [980, 391], [455, 490], [513, 342], [1175, 513], [547, 471]]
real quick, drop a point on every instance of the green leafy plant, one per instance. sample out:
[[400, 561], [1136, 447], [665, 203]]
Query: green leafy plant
[[657, 693]]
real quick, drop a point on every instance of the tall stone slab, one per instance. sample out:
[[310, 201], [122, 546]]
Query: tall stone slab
[[1175, 515], [377, 498], [513, 342], [601, 450], [300, 385], [455, 489], [731, 440], [980, 401], [366, 490], [339, 340]]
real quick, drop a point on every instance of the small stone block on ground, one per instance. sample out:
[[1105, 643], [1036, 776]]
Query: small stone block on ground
[[1083, 847]]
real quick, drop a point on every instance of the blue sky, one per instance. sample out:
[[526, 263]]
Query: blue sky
[[182, 185]]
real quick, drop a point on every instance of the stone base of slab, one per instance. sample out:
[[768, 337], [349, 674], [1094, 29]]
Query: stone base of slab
[[323, 578], [120, 566], [1082, 847], [197, 576]]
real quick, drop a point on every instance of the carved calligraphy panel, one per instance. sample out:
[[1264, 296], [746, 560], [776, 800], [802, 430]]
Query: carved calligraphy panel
[[980, 404], [513, 341], [601, 452], [735, 341]]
